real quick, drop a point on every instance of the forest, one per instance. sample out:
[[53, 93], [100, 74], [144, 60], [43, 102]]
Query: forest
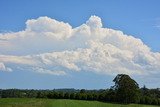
[[125, 91]]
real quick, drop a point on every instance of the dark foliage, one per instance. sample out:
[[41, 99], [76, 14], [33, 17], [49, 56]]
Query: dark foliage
[[125, 91]]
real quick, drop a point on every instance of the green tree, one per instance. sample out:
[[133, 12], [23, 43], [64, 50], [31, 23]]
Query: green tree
[[72, 96], [127, 89], [67, 95], [82, 91], [89, 96]]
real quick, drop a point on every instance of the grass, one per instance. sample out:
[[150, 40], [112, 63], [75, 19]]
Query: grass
[[26, 102]]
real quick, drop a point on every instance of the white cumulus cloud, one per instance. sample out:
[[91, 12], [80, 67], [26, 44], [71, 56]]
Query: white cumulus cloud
[[53, 47]]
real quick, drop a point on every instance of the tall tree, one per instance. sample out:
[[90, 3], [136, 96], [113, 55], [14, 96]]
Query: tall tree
[[127, 89]]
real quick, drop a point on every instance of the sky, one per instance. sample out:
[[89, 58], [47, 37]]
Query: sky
[[47, 44]]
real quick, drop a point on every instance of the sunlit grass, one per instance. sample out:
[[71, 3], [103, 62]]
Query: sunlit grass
[[30, 102]]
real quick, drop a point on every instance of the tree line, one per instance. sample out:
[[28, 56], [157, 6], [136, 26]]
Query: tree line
[[125, 90]]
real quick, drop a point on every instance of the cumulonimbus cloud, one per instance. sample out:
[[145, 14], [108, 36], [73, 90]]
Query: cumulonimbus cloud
[[54, 47]]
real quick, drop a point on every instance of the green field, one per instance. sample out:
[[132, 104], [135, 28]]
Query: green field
[[26, 102]]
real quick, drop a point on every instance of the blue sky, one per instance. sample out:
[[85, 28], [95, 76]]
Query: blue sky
[[141, 19]]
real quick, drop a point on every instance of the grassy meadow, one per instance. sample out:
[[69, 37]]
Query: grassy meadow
[[26, 102]]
